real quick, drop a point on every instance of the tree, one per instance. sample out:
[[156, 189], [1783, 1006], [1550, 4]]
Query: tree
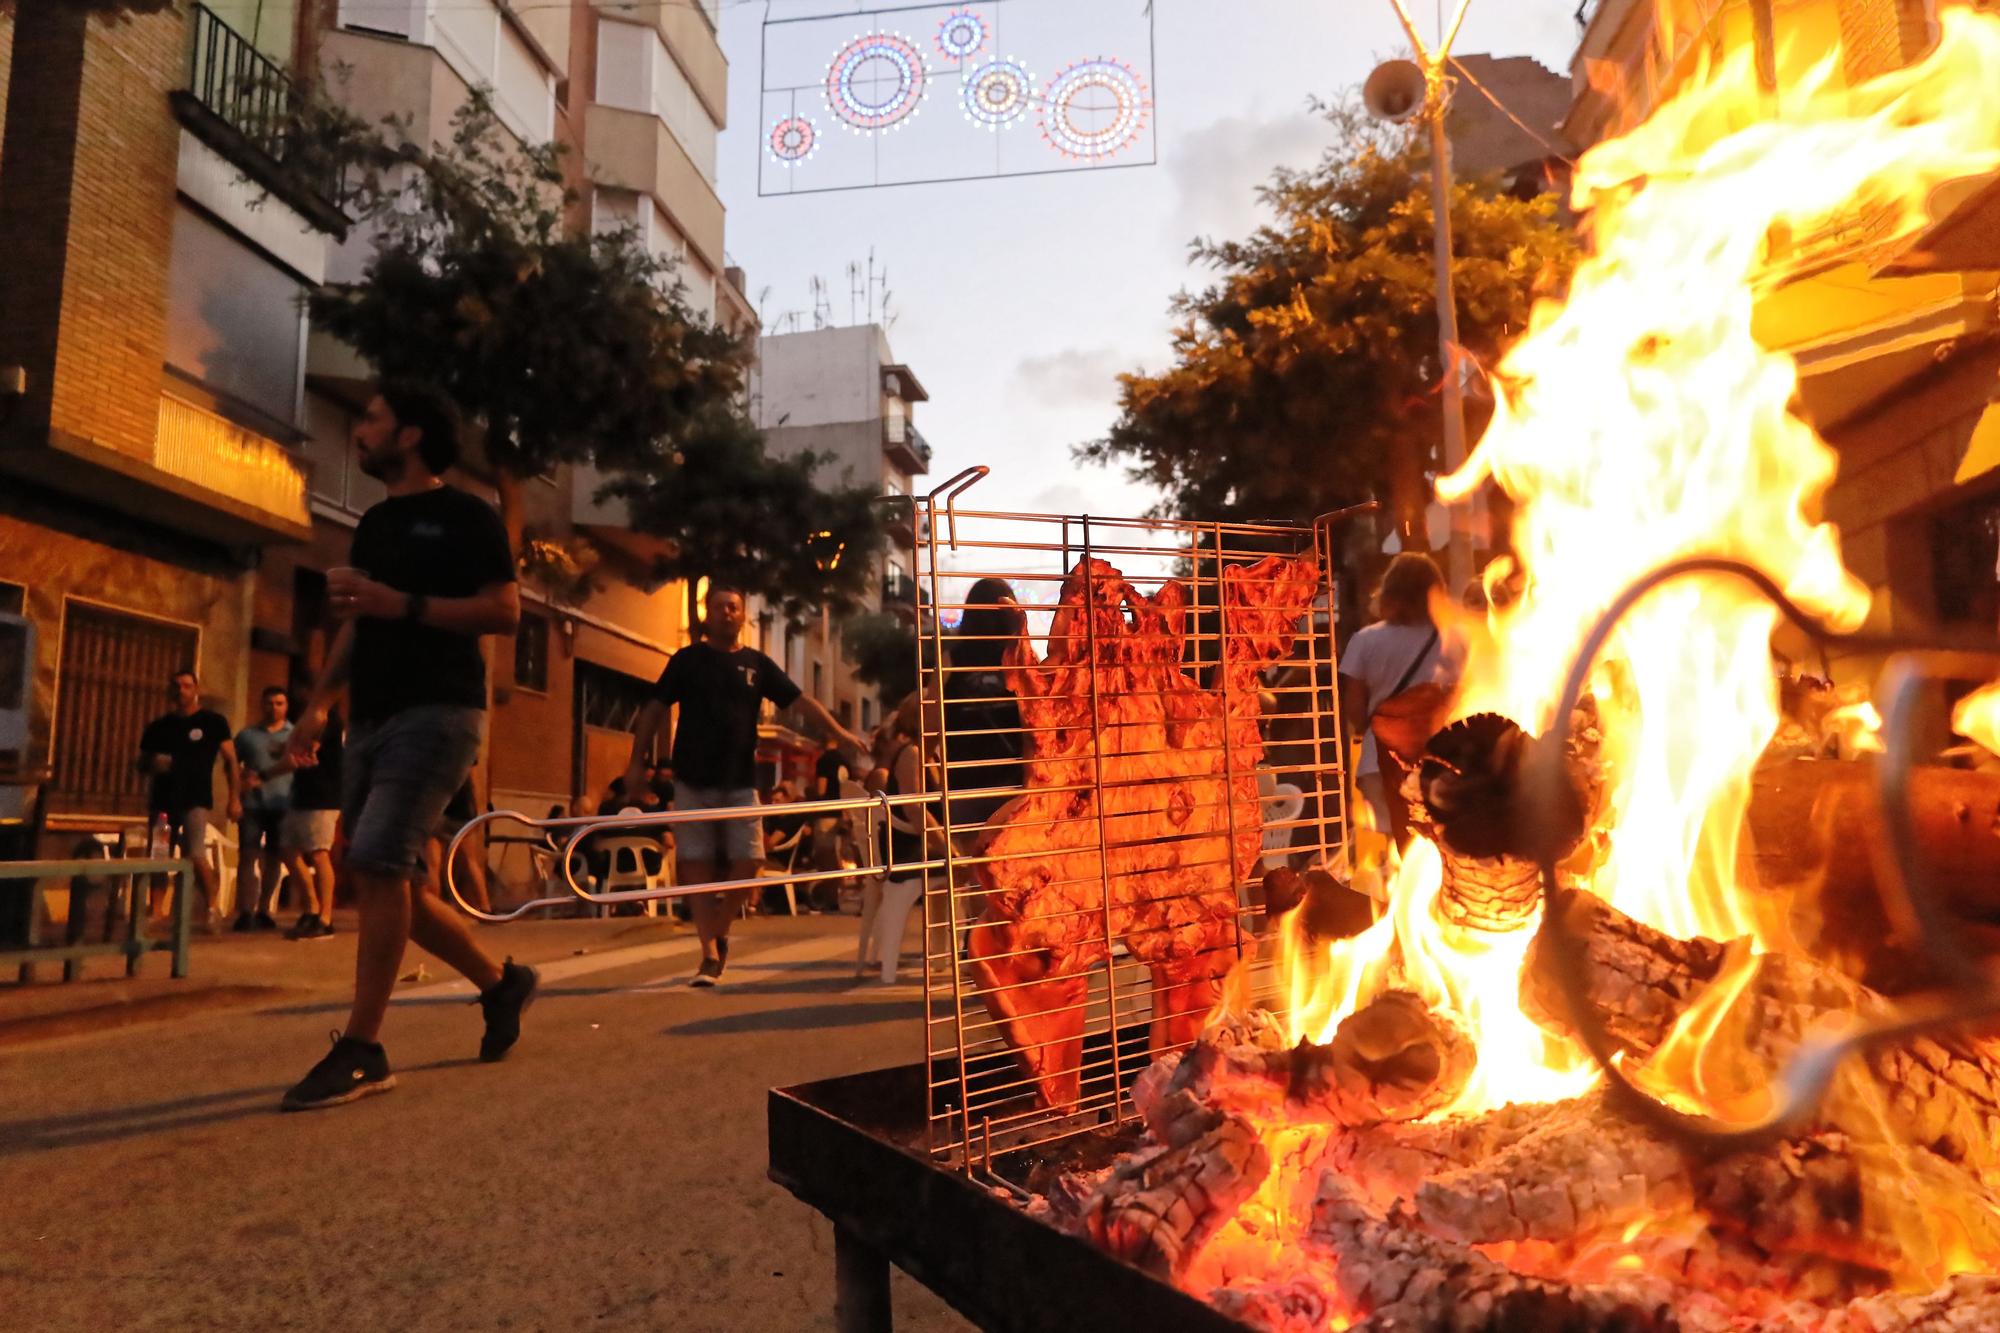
[[573, 346], [1306, 377], [883, 647]]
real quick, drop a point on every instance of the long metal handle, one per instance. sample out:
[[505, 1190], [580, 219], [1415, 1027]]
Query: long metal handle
[[581, 827]]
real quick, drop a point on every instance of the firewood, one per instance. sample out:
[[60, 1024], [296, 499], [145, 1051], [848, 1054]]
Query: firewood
[[1407, 1281], [1969, 1303], [1639, 979], [1160, 1206]]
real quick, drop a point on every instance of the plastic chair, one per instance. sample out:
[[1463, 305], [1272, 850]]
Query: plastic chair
[[789, 848], [220, 849], [1285, 803], [627, 867]]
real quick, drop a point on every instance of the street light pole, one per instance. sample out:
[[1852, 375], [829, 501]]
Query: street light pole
[[1458, 554]]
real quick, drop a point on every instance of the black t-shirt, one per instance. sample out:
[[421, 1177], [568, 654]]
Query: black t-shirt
[[192, 743], [441, 543], [719, 695], [829, 771], [318, 787]]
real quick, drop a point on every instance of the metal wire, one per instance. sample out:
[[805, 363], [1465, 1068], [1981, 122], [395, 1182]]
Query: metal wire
[[1969, 993], [1084, 815]]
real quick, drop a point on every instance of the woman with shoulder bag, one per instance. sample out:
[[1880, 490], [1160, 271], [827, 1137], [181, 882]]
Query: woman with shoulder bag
[[1394, 687]]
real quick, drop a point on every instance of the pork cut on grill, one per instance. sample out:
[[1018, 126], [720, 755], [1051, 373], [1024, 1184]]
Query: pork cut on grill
[[1118, 731]]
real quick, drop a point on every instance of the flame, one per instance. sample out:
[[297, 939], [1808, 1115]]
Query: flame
[[1639, 421], [1977, 717]]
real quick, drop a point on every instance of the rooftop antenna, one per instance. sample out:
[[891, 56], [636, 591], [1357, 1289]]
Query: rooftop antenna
[[822, 307], [853, 292]]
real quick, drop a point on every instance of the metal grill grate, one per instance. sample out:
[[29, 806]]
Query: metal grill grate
[[1101, 820]]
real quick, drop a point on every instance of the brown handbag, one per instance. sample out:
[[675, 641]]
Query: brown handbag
[[1404, 722]]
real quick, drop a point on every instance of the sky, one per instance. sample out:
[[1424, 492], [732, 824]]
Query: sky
[[1018, 301]]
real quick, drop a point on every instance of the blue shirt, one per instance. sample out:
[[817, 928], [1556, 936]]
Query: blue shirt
[[257, 750]]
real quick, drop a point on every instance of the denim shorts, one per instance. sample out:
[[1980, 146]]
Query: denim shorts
[[717, 840], [397, 775]]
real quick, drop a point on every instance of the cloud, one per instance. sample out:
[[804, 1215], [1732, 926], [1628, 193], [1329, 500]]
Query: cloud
[[1216, 169], [1073, 377]]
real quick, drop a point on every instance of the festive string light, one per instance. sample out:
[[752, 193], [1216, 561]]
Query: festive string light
[[858, 71], [997, 93], [1077, 128], [793, 140], [962, 35]]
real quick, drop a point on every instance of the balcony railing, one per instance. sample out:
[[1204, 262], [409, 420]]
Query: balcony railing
[[237, 89], [901, 436], [218, 455]]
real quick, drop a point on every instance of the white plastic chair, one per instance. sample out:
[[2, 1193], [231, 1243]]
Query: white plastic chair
[[789, 849], [627, 867], [221, 853], [1285, 803]]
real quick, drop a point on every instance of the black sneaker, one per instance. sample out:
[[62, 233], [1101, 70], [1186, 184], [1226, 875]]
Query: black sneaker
[[351, 1070], [502, 1004], [302, 929], [244, 925], [264, 922], [321, 930], [709, 974]]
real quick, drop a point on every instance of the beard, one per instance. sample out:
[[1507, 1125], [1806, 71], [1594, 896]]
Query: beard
[[383, 467]]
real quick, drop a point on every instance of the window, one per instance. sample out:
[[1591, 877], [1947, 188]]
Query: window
[[111, 680], [235, 321], [635, 72], [13, 598], [397, 18], [485, 49], [610, 700], [846, 713], [531, 653]]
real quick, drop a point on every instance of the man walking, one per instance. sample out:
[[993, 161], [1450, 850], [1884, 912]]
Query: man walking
[[177, 752], [432, 573], [719, 686], [267, 785]]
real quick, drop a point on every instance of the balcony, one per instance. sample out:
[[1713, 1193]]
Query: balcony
[[899, 594], [636, 151], [243, 105], [906, 446], [247, 472]]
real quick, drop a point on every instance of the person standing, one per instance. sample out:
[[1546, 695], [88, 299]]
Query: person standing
[[432, 573], [720, 687], [267, 784], [307, 834], [1394, 676], [177, 752]]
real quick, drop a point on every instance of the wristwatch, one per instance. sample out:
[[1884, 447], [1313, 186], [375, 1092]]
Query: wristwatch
[[414, 606]]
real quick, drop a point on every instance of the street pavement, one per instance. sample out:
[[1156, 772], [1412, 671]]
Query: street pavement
[[609, 1174]]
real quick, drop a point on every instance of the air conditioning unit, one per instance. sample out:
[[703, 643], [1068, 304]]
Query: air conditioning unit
[[17, 669]]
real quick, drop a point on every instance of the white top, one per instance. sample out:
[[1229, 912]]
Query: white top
[[1379, 656]]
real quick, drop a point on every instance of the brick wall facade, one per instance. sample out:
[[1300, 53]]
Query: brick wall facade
[[87, 187]]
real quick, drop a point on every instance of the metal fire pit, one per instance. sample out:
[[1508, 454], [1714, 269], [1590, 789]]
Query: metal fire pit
[[857, 1150]]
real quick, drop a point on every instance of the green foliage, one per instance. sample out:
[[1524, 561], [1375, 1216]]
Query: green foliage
[[1306, 376], [576, 347], [756, 523], [883, 647]]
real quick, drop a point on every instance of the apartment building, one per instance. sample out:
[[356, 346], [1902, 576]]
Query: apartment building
[[175, 476], [1898, 348], [841, 392]]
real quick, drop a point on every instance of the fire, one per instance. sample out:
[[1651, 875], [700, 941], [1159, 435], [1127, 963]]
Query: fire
[[1977, 717], [1639, 421]]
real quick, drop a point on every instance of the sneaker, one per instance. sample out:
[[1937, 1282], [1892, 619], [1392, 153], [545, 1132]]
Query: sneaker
[[321, 930], [709, 974], [302, 929], [502, 1003], [244, 925], [264, 922], [351, 1070]]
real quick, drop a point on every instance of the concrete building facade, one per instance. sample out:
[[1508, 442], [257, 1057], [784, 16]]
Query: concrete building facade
[[175, 474], [841, 393]]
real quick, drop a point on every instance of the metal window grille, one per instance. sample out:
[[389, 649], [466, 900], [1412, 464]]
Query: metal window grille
[[1088, 795], [111, 680]]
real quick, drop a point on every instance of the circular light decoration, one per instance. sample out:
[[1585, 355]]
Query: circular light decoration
[[1094, 108], [876, 81], [962, 35], [997, 93], [794, 139]]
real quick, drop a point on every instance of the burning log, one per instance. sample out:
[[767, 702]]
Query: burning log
[[1403, 1278], [1158, 1207], [1639, 979]]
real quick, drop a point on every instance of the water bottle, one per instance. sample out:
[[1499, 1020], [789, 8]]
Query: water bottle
[[160, 845]]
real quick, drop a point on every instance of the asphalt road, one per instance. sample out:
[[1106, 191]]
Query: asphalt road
[[608, 1175]]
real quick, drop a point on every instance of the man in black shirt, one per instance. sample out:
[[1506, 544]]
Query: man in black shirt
[[720, 687], [177, 752], [432, 572]]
